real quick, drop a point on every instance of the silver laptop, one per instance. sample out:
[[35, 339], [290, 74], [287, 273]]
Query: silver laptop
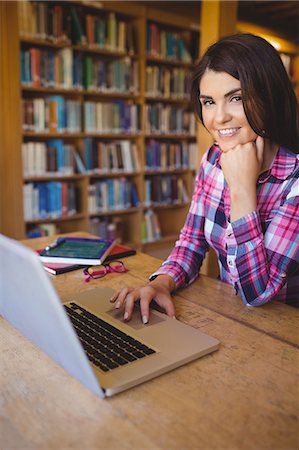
[[85, 334]]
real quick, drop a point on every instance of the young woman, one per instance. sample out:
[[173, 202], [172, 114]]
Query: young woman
[[246, 200]]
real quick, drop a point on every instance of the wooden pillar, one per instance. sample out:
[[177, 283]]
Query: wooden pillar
[[218, 19], [11, 198]]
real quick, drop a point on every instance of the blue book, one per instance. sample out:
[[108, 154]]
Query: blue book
[[58, 198], [42, 200], [88, 153], [111, 193], [134, 196], [51, 199], [23, 67], [51, 68], [58, 145]]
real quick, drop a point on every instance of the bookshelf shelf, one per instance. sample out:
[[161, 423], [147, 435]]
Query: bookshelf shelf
[[111, 174], [50, 90], [167, 206], [26, 41], [67, 68], [169, 136], [168, 61], [178, 100], [56, 176], [158, 171], [116, 212], [73, 217], [31, 134]]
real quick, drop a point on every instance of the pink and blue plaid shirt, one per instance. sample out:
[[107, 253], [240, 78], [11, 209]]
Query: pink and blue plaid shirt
[[259, 253]]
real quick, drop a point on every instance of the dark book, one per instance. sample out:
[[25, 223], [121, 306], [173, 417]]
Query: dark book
[[57, 269]]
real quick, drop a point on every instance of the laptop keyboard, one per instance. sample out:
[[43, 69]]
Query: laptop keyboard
[[106, 346]]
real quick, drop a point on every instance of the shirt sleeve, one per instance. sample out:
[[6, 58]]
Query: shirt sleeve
[[261, 264], [186, 258]]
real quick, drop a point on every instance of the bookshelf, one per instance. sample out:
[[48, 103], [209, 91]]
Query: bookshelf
[[81, 107], [170, 161], [108, 136]]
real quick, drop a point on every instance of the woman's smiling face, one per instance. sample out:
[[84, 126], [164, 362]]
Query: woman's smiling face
[[222, 110]]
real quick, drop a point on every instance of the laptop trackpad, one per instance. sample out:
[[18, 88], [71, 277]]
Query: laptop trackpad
[[135, 321]]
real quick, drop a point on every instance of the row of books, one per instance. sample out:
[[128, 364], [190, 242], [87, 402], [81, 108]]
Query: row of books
[[52, 114], [57, 158], [166, 44], [165, 190], [52, 157], [114, 117], [47, 67], [169, 119], [120, 75], [67, 69], [167, 83], [113, 194], [113, 156], [170, 156], [55, 114], [150, 227], [51, 199], [109, 33], [69, 23]]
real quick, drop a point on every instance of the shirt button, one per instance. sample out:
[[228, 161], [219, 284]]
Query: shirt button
[[283, 275], [230, 263]]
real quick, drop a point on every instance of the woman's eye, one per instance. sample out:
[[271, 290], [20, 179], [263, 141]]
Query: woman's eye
[[236, 98], [207, 102]]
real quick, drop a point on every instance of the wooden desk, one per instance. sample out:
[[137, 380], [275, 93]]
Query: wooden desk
[[244, 396]]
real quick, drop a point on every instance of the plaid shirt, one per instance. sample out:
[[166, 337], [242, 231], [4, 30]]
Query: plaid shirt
[[259, 253]]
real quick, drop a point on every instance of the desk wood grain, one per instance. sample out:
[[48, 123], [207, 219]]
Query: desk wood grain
[[244, 396]]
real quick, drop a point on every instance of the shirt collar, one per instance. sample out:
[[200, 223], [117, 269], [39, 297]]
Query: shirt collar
[[283, 164]]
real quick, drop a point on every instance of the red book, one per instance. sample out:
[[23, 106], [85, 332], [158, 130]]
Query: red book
[[120, 251]]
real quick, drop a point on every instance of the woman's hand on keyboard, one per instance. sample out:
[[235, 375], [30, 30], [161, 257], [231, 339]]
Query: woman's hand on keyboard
[[159, 290]]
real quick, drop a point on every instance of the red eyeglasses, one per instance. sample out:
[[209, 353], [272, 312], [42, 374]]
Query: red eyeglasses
[[102, 270]]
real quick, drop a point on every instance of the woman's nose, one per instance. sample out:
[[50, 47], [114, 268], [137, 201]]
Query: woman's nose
[[222, 114]]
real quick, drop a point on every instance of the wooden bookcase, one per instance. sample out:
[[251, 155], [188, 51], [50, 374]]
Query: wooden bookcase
[[170, 213]]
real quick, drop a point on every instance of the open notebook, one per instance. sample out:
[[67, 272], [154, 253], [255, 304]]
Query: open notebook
[[85, 334]]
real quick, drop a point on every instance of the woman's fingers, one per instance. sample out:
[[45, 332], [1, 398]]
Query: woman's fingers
[[119, 297], [167, 304], [127, 297], [129, 303]]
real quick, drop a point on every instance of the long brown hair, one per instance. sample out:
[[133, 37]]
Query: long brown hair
[[269, 100]]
